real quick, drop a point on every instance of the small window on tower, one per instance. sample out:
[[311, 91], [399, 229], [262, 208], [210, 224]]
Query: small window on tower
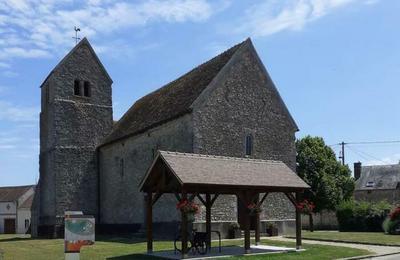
[[249, 145], [86, 89], [77, 89]]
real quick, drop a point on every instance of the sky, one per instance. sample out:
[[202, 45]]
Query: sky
[[336, 63]]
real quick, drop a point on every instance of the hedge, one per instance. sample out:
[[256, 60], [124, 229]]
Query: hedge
[[362, 216]]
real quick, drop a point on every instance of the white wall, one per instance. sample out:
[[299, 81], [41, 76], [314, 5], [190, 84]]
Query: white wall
[[6, 213], [23, 214]]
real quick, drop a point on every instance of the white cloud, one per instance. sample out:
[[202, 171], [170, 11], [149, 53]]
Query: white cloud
[[392, 159], [15, 113], [40, 28], [274, 16]]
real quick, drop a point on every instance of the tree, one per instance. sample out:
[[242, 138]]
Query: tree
[[330, 182]]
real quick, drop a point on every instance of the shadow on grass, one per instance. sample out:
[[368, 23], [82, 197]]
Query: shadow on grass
[[14, 239], [134, 256]]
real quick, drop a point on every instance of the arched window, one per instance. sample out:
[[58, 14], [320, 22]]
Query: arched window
[[249, 144]]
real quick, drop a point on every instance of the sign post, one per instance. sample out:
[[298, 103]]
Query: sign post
[[79, 231]]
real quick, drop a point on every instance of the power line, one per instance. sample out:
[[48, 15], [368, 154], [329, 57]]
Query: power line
[[364, 154], [370, 142]]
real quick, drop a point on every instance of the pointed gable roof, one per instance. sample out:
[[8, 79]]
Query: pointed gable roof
[[83, 42], [171, 100], [13, 193]]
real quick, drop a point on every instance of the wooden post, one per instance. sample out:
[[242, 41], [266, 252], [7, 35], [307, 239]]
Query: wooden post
[[184, 229], [257, 231], [149, 221], [244, 198], [258, 224], [208, 220], [298, 223]]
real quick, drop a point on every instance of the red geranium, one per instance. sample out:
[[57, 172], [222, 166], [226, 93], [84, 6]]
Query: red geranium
[[188, 206], [395, 214], [305, 207]]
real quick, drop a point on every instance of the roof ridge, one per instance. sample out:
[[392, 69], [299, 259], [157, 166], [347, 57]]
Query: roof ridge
[[20, 186], [219, 157]]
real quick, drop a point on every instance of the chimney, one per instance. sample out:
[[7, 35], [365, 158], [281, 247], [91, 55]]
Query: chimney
[[357, 170]]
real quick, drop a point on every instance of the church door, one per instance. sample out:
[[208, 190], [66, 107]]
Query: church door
[[9, 226]]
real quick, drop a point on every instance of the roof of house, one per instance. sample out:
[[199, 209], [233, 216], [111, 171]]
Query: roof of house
[[171, 100], [379, 177], [13, 193], [190, 169], [27, 204]]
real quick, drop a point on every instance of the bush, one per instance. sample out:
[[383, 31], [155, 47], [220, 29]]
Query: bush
[[361, 216], [391, 225]]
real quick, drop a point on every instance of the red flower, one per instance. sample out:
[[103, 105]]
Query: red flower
[[395, 214]]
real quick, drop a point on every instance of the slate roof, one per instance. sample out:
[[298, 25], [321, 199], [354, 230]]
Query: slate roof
[[13, 193], [383, 177], [171, 100], [220, 170]]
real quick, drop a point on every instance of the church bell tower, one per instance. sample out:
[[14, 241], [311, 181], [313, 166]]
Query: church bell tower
[[76, 114]]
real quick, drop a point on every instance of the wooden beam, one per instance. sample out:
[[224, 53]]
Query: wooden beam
[[184, 230], [191, 198], [156, 197], [201, 199], [208, 220], [214, 198], [257, 227], [298, 223], [262, 200], [149, 222], [291, 198]]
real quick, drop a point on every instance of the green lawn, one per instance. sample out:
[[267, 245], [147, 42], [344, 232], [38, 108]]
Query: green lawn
[[23, 247], [361, 237]]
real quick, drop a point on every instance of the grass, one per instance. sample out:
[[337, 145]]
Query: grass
[[360, 237], [24, 247]]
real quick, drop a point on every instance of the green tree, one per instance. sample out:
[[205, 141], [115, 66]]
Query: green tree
[[330, 182]]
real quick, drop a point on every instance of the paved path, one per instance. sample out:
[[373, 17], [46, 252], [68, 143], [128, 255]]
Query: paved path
[[378, 250]]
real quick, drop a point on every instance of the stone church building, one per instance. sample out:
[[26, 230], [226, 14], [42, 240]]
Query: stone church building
[[226, 106]]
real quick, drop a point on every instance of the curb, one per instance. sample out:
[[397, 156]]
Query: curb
[[347, 242]]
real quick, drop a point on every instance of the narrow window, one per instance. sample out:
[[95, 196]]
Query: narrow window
[[26, 223], [121, 166], [249, 144], [86, 89], [77, 89]]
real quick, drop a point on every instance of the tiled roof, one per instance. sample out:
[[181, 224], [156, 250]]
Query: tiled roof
[[13, 193], [27, 204], [170, 101], [379, 177], [220, 170]]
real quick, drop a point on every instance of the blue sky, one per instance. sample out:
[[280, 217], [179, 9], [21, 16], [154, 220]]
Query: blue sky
[[336, 63]]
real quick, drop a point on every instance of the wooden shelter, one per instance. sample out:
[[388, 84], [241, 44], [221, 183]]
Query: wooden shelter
[[203, 176]]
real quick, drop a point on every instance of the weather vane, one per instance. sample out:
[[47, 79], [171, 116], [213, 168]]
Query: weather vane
[[76, 34]]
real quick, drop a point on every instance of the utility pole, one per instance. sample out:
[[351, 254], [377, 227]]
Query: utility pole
[[342, 154]]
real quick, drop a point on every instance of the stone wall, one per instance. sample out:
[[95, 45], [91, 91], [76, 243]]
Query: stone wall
[[242, 100], [71, 127], [123, 165]]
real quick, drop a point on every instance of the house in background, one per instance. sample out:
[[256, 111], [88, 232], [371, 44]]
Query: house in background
[[15, 209], [377, 182]]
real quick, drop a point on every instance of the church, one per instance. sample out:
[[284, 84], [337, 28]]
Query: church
[[227, 106]]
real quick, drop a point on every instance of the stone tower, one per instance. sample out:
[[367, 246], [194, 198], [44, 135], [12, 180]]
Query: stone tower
[[76, 114]]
